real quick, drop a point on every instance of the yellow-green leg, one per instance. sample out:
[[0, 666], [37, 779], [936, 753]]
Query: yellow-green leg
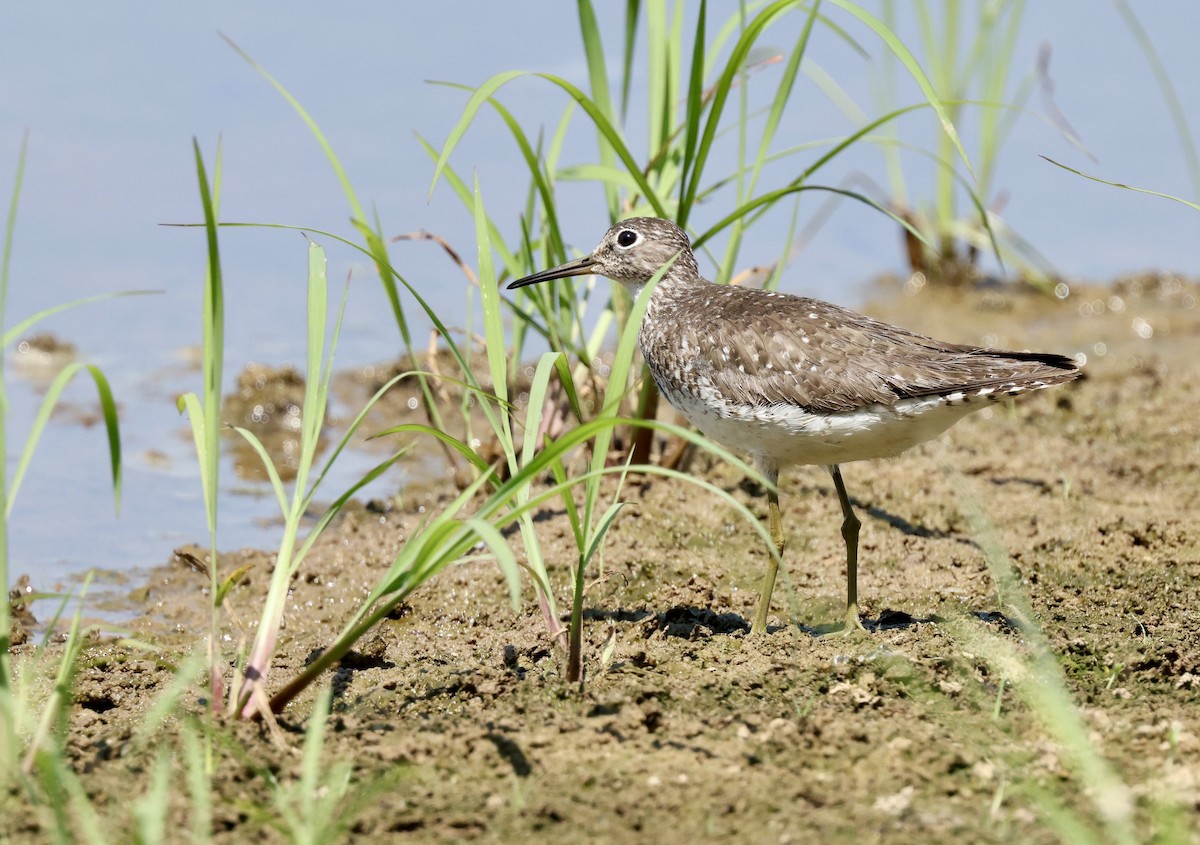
[[850, 526], [775, 522]]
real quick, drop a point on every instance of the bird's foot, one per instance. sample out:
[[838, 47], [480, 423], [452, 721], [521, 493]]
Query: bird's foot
[[850, 626], [759, 626]]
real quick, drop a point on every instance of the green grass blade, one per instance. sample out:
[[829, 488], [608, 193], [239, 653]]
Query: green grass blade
[[848, 141], [597, 115], [897, 185], [533, 162], [323, 398], [5, 267], [214, 299], [720, 94], [352, 429], [314, 740], [318, 370], [54, 711], [783, 93], [1123, 186], [269, 465], [493, 319], [835, 93], [618, 387], [167, 701], [779, 103], [537, 398], [29, 322], [335, 508], [554, 152], [465, 196], [504, 557], [150, 811], [494, 336], [661, 79], [498, 368], [614, 138], [593, 49], [463, 192], [199, 788], [70, 803], [602, 525], [1187, 143], [542, 182], [995, 125], [482, 94], [914, 69], [1040, 678], [774, 196], [205, 417], [108, 410], [693, 117], [451, 441], [568, 501], [609, 175], [533, 424], [315, 384], [632, 13], [312, 125], [190, 404], [11, 223]]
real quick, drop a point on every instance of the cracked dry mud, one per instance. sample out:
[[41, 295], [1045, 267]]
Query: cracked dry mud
[[459, 726]]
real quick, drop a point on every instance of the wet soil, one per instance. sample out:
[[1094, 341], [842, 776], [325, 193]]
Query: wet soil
[[456, 723]]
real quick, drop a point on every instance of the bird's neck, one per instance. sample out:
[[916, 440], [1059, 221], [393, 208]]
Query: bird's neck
[[679, 278], [669, 301]]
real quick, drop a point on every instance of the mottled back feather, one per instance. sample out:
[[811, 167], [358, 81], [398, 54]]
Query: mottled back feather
[[756, 347]]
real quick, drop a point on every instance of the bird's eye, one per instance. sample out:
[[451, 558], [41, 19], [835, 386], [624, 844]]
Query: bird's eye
[[627, 237]]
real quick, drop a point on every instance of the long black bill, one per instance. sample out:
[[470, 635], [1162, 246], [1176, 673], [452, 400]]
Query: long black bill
[[578, 267]]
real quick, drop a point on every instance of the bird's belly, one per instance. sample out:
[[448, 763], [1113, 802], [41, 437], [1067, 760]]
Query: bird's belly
[[787, 435]]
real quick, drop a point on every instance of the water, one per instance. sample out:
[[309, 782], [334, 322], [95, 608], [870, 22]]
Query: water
[[112, 103]]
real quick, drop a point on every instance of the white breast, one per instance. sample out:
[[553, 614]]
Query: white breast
[[787, 435]]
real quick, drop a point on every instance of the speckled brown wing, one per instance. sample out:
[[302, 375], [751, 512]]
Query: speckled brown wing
[[824, 358]]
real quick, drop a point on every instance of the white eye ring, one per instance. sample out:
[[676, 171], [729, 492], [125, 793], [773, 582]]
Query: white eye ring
[[623, 242]]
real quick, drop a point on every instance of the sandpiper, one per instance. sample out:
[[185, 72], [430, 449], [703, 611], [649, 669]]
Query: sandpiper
[[795, 381]]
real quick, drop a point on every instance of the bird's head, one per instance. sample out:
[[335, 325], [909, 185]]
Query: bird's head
[[631, 252]]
